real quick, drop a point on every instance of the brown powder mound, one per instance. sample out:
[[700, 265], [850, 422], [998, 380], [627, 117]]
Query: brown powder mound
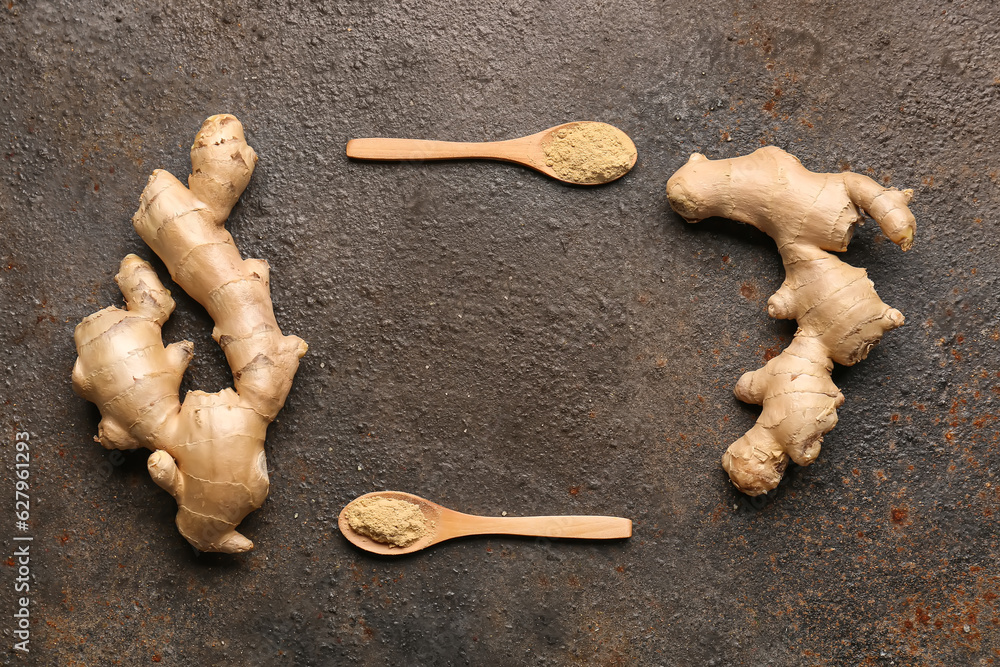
[[589, 153], [390, 521]]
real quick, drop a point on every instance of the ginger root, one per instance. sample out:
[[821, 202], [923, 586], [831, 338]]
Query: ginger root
[[209, 451], [840, 317]]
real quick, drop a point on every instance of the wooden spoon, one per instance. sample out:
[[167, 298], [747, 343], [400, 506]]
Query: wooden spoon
[[445, 524], [585, 167]]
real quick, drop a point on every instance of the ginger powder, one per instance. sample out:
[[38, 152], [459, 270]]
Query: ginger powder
[[589, 153], [398, 523]]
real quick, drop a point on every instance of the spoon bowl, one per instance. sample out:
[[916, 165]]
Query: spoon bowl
[[581, 152], [445, 524]]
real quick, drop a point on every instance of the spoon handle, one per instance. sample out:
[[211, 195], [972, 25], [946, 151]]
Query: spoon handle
[[580, 527], [422, 149]]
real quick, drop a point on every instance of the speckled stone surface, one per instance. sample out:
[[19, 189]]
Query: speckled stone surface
[[496, 341]]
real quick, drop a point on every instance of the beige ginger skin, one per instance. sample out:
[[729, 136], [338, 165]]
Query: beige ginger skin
[[840, 317], [209, 451]]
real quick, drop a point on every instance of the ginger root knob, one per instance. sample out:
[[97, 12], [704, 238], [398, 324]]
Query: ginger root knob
[[208, 452], [840, 317]]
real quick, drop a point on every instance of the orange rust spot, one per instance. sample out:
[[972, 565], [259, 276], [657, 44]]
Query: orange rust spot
[[620, 568], [156, 658], [894, 418], [772, 352], [981, 421], [748, 290], [899, 515], [573, 490]]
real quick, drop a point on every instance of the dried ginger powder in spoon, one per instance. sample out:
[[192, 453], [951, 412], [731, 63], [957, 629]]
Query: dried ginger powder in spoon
[[589, 153], [390, 521]]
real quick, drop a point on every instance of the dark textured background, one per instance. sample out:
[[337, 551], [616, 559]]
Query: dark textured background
[[496, 341]]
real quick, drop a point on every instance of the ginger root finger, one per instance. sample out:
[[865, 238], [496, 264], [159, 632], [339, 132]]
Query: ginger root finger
[[208, 452], [840, 316]]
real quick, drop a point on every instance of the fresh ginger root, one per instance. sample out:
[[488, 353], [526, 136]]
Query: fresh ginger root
[[209, 451], [840, 317]]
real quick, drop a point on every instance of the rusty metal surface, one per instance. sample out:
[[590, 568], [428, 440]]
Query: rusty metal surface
[[495, 341]]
